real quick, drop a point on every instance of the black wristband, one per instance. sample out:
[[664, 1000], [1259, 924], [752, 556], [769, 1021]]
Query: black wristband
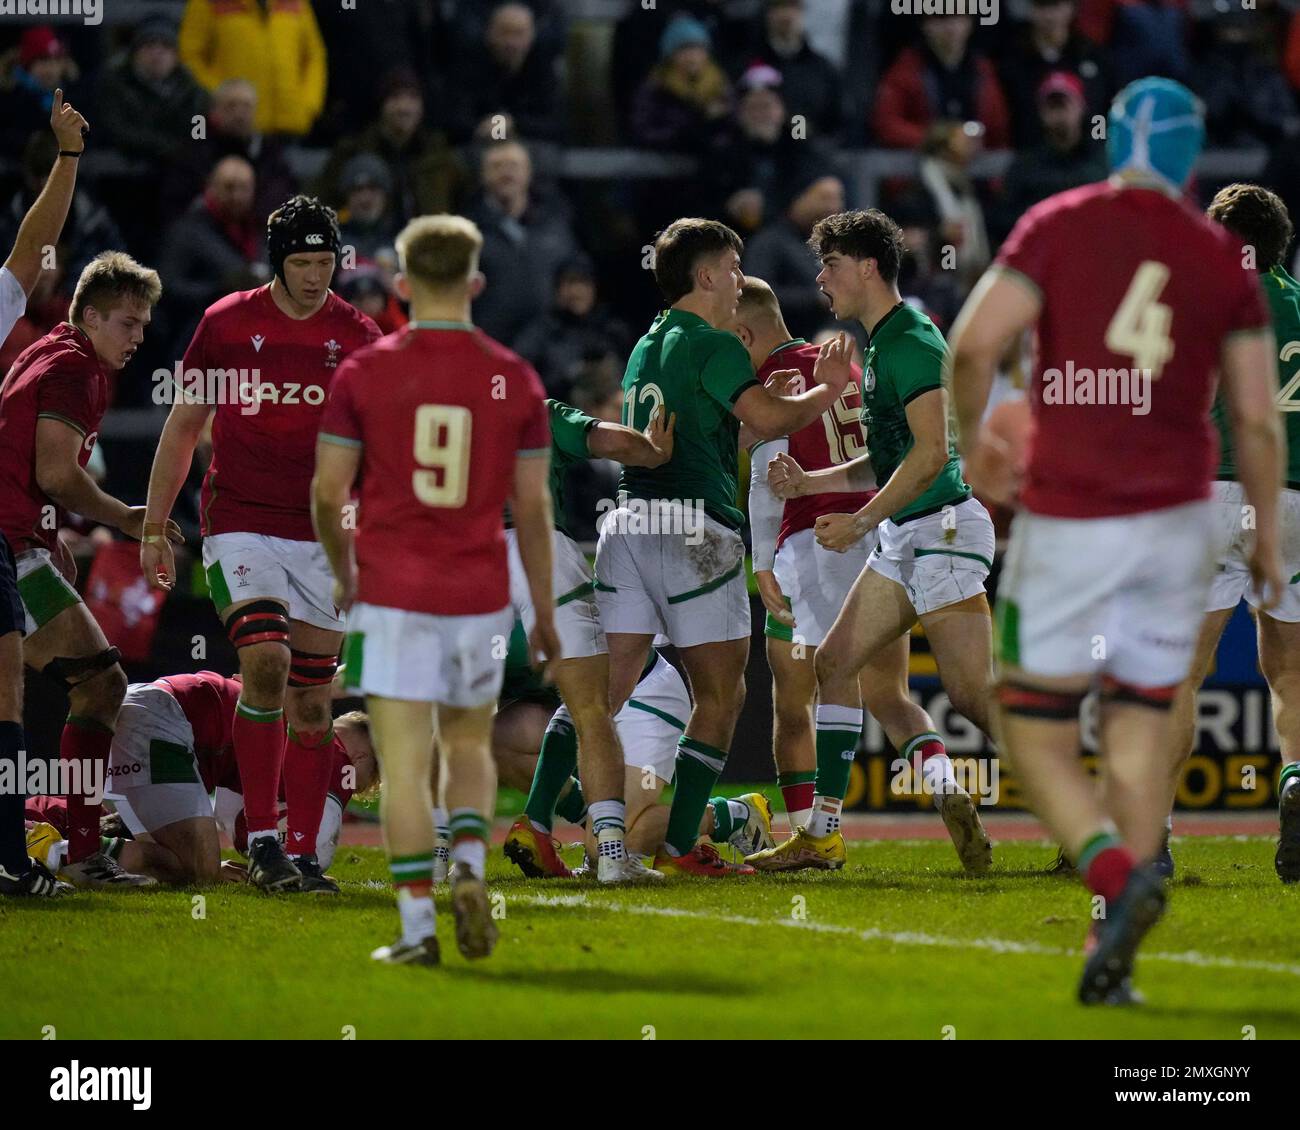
[[70, 153]]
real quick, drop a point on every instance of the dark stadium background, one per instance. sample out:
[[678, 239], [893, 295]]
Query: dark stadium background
[[615, 153]]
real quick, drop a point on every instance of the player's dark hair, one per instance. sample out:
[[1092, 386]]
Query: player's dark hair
[[861, 235], [680, 247], [301, 224], [108, 280], [1256, 215]]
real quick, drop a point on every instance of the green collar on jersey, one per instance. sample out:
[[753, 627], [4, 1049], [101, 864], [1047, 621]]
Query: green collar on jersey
[[436, 324], [788, 345]]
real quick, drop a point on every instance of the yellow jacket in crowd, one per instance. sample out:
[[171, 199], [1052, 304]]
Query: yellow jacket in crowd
[[275, 44]]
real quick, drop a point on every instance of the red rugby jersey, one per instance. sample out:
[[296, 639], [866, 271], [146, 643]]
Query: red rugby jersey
[[264, 449], [1130, 279], [440, 413], [833, 438], [60, 377]]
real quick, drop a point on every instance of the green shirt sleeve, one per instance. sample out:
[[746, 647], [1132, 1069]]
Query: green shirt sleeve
[[727, 371], [569, 429], [916, 365]]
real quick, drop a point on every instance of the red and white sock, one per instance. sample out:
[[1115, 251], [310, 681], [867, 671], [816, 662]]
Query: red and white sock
[[87, 742], [308, 766], [259, 753]]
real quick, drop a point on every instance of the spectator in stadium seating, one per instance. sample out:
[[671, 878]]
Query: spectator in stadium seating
[[810, 84], [1065, 158], [89, 228], [922, 281], [1247, 99], [216, 248], [945, 180], [231, 132], [1142, 37], [685, 101], [148, 100], [366, 222], [365, 40], [41, 65], [638, 34], [745, 171], [525, 239], [427, 176], [779, 254], [507, 74], [576, 329], [369, 289], [275, 44], [1291, 53], [940, 79], [1046, 43]]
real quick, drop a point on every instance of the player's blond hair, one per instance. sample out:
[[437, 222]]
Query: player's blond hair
[[439, 251], [110, 279], [359, 720], [758, 300]]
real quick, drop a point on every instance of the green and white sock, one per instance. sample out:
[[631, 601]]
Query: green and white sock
[[608, 825], [469, 835], [572, 805], [729, 816], [838, 730], [556, 763], [698, 768]]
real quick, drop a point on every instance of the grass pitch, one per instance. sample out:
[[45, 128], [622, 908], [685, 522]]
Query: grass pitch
[[898, 945]]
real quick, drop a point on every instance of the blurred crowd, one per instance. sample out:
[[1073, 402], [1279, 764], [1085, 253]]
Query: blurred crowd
[[217, 110]]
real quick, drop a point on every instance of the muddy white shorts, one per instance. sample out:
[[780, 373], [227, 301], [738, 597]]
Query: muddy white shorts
[[1233, 541], [683, 578], [42, 588], [258, 567], [153, 774], [1121, 596], [452, 660], [941, 558], [577, 618]]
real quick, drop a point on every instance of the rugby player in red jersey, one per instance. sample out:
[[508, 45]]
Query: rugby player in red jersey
[[1137, 299], [39, 229], [260, 363], [443, 426], [173, 753], [51, 405], [802, 585]]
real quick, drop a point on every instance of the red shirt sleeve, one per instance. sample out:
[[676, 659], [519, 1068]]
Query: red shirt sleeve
[[340, 420], [1027, 249], [63, 393]]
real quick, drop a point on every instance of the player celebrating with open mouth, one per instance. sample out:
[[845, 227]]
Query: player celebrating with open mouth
[[268, 576], [935, 548]]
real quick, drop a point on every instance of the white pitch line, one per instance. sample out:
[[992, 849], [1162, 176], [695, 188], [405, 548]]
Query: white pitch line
[[902, 938]]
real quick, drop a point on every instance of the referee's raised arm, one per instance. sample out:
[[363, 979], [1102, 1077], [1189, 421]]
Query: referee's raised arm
[[43, 224]]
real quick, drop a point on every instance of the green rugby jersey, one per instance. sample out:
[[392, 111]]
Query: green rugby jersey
[[569, 429], [1283, 294], [905, 358], [684, 365]]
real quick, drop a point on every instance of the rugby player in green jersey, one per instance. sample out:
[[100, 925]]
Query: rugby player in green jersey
[[1260, 219], [934, 551], [670, 557]]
